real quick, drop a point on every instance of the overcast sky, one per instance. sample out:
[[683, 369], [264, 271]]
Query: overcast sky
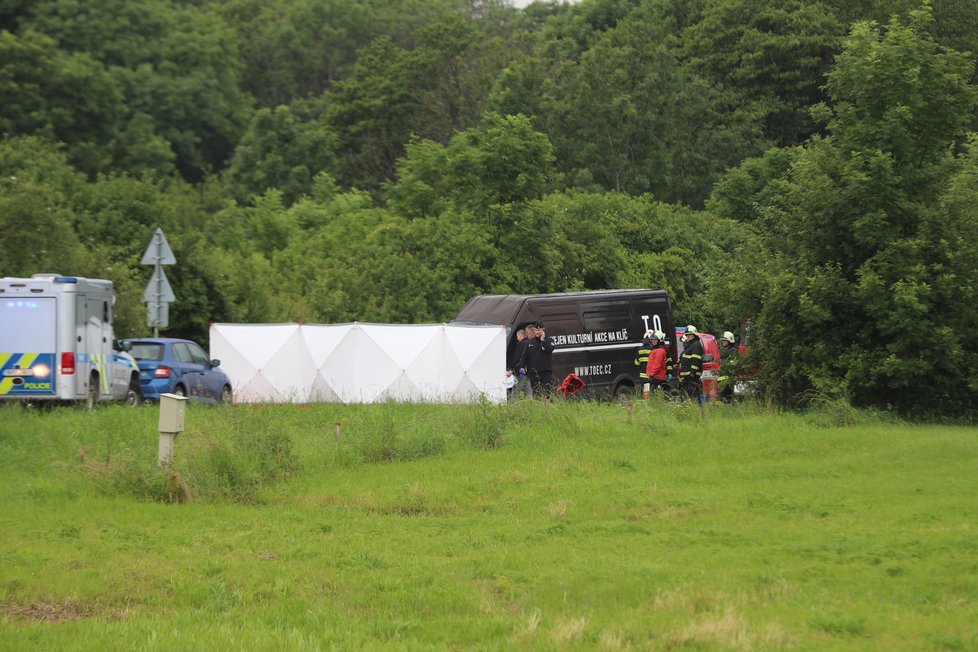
[[523, 3]]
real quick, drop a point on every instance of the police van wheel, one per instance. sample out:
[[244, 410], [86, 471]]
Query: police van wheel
[[134, 396], [92, 397]]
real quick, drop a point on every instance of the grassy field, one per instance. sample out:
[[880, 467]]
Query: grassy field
[[539, 526]]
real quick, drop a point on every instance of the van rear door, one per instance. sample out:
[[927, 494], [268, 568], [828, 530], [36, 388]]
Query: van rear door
[[28, 346]]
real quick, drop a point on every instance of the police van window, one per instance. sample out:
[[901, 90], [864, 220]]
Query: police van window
[[106, 317]]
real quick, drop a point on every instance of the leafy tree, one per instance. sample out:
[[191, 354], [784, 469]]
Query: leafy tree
[[38, 213], [11, 13], [633, 117], [67, 97], [371, 114], [37, 231], [175, 64], [858, 240], [456, 65], [438, 87], [769, 56], [297, 49], [485, 178], [755, 182], [284, 148], [31, 158], [36, 181], [609, 240]]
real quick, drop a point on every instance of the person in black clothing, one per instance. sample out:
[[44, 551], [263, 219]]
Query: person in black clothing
[[514, 367], [642, 362], [537, 359], [691, 363]]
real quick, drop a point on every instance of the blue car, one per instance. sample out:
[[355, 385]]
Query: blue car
[[181, 367]]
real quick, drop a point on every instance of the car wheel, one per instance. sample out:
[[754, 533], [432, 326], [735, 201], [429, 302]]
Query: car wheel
[[624, 393], [226, 396], [179, 390], [134, 395]]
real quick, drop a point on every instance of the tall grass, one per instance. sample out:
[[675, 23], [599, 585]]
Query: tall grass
[[535, 525]]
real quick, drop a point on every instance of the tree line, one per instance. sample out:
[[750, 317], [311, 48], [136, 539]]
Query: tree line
[[811, 165]]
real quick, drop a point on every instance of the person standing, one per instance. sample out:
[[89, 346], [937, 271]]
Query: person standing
[[642, 362], [691, 363], [728, 366], [657, 366], [537, 356], [522, 383]]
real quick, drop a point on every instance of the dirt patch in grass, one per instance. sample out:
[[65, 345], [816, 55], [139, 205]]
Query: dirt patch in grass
[[57, 612]]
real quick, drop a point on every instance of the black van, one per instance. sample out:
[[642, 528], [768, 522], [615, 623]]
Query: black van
[[596, 334]]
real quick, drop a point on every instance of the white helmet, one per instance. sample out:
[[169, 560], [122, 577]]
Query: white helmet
[[659, 335], [727, 335], [691, 330]]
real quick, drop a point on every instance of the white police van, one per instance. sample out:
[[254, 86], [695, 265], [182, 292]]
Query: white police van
[[57, 343]]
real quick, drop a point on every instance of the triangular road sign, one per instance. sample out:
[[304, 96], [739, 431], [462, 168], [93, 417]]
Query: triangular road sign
[[158, 251], [158, 290], [158, 315]]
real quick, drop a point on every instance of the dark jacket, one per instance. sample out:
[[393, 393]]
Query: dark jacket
[[536, 356], [642, 358], [691, 361], [514, 360]]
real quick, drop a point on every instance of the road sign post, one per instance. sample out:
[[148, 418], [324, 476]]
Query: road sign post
[[158, 294]]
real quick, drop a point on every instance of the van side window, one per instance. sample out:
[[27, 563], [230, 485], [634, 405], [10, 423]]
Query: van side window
[[558, 318], [106, 316], [606, 316]]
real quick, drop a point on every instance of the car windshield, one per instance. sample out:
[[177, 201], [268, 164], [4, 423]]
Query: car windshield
[[146, 351]]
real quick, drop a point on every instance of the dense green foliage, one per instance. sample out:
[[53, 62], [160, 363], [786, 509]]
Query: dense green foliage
[[806, 164]]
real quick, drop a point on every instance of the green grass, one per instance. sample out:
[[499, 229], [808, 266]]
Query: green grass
[[541, 526]]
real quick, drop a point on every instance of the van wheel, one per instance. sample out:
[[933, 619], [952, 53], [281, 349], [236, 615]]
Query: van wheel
[[134, 395], [92, 396], [179, 390], [624, 393]]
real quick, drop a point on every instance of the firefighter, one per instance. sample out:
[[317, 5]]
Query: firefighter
[[657, 367], [642, 361], [691, 363], [728, 366]]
